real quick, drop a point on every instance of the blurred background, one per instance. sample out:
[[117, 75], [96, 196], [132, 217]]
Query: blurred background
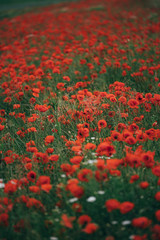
[[28, 3], [11, 8], [151, 3], [8, 4]]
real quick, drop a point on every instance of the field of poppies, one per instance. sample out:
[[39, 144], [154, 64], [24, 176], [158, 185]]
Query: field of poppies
[[79, 123]]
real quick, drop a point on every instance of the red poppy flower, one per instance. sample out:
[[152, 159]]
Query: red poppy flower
[[116, 136], [157, 213], [156, 171], [110, 238], [112, 204], [157, 196], [31, 176], [4, 219], [11, 187], [156, 232], [43, 180], [90, 228], [46, 187], [76, 191], [105, 148], [141, 222], [76, 159], [144, 184], [77, 207], [54, 158], [34, 189], [49, 139], [67, 221], [28, 166], [83, 219], [133, 103], [32, 202], [134, 178], [130, 140], [84, 175], [102, 124], [83, 133], [90, 146], [1, 127], [126, 207]]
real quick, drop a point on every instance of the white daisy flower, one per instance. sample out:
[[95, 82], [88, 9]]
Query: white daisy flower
[[2, 185], [125, 222], [101, 192], [73, 200], [53, 238], [91, 199]]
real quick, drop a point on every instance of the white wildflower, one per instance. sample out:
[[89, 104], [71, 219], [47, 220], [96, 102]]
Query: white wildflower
[[93, 153], [101, 192], [114, 222], [53, 238], [91, 199], [73, 200], [131, 237], [126, 222], [91, 161], [2, 185]]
